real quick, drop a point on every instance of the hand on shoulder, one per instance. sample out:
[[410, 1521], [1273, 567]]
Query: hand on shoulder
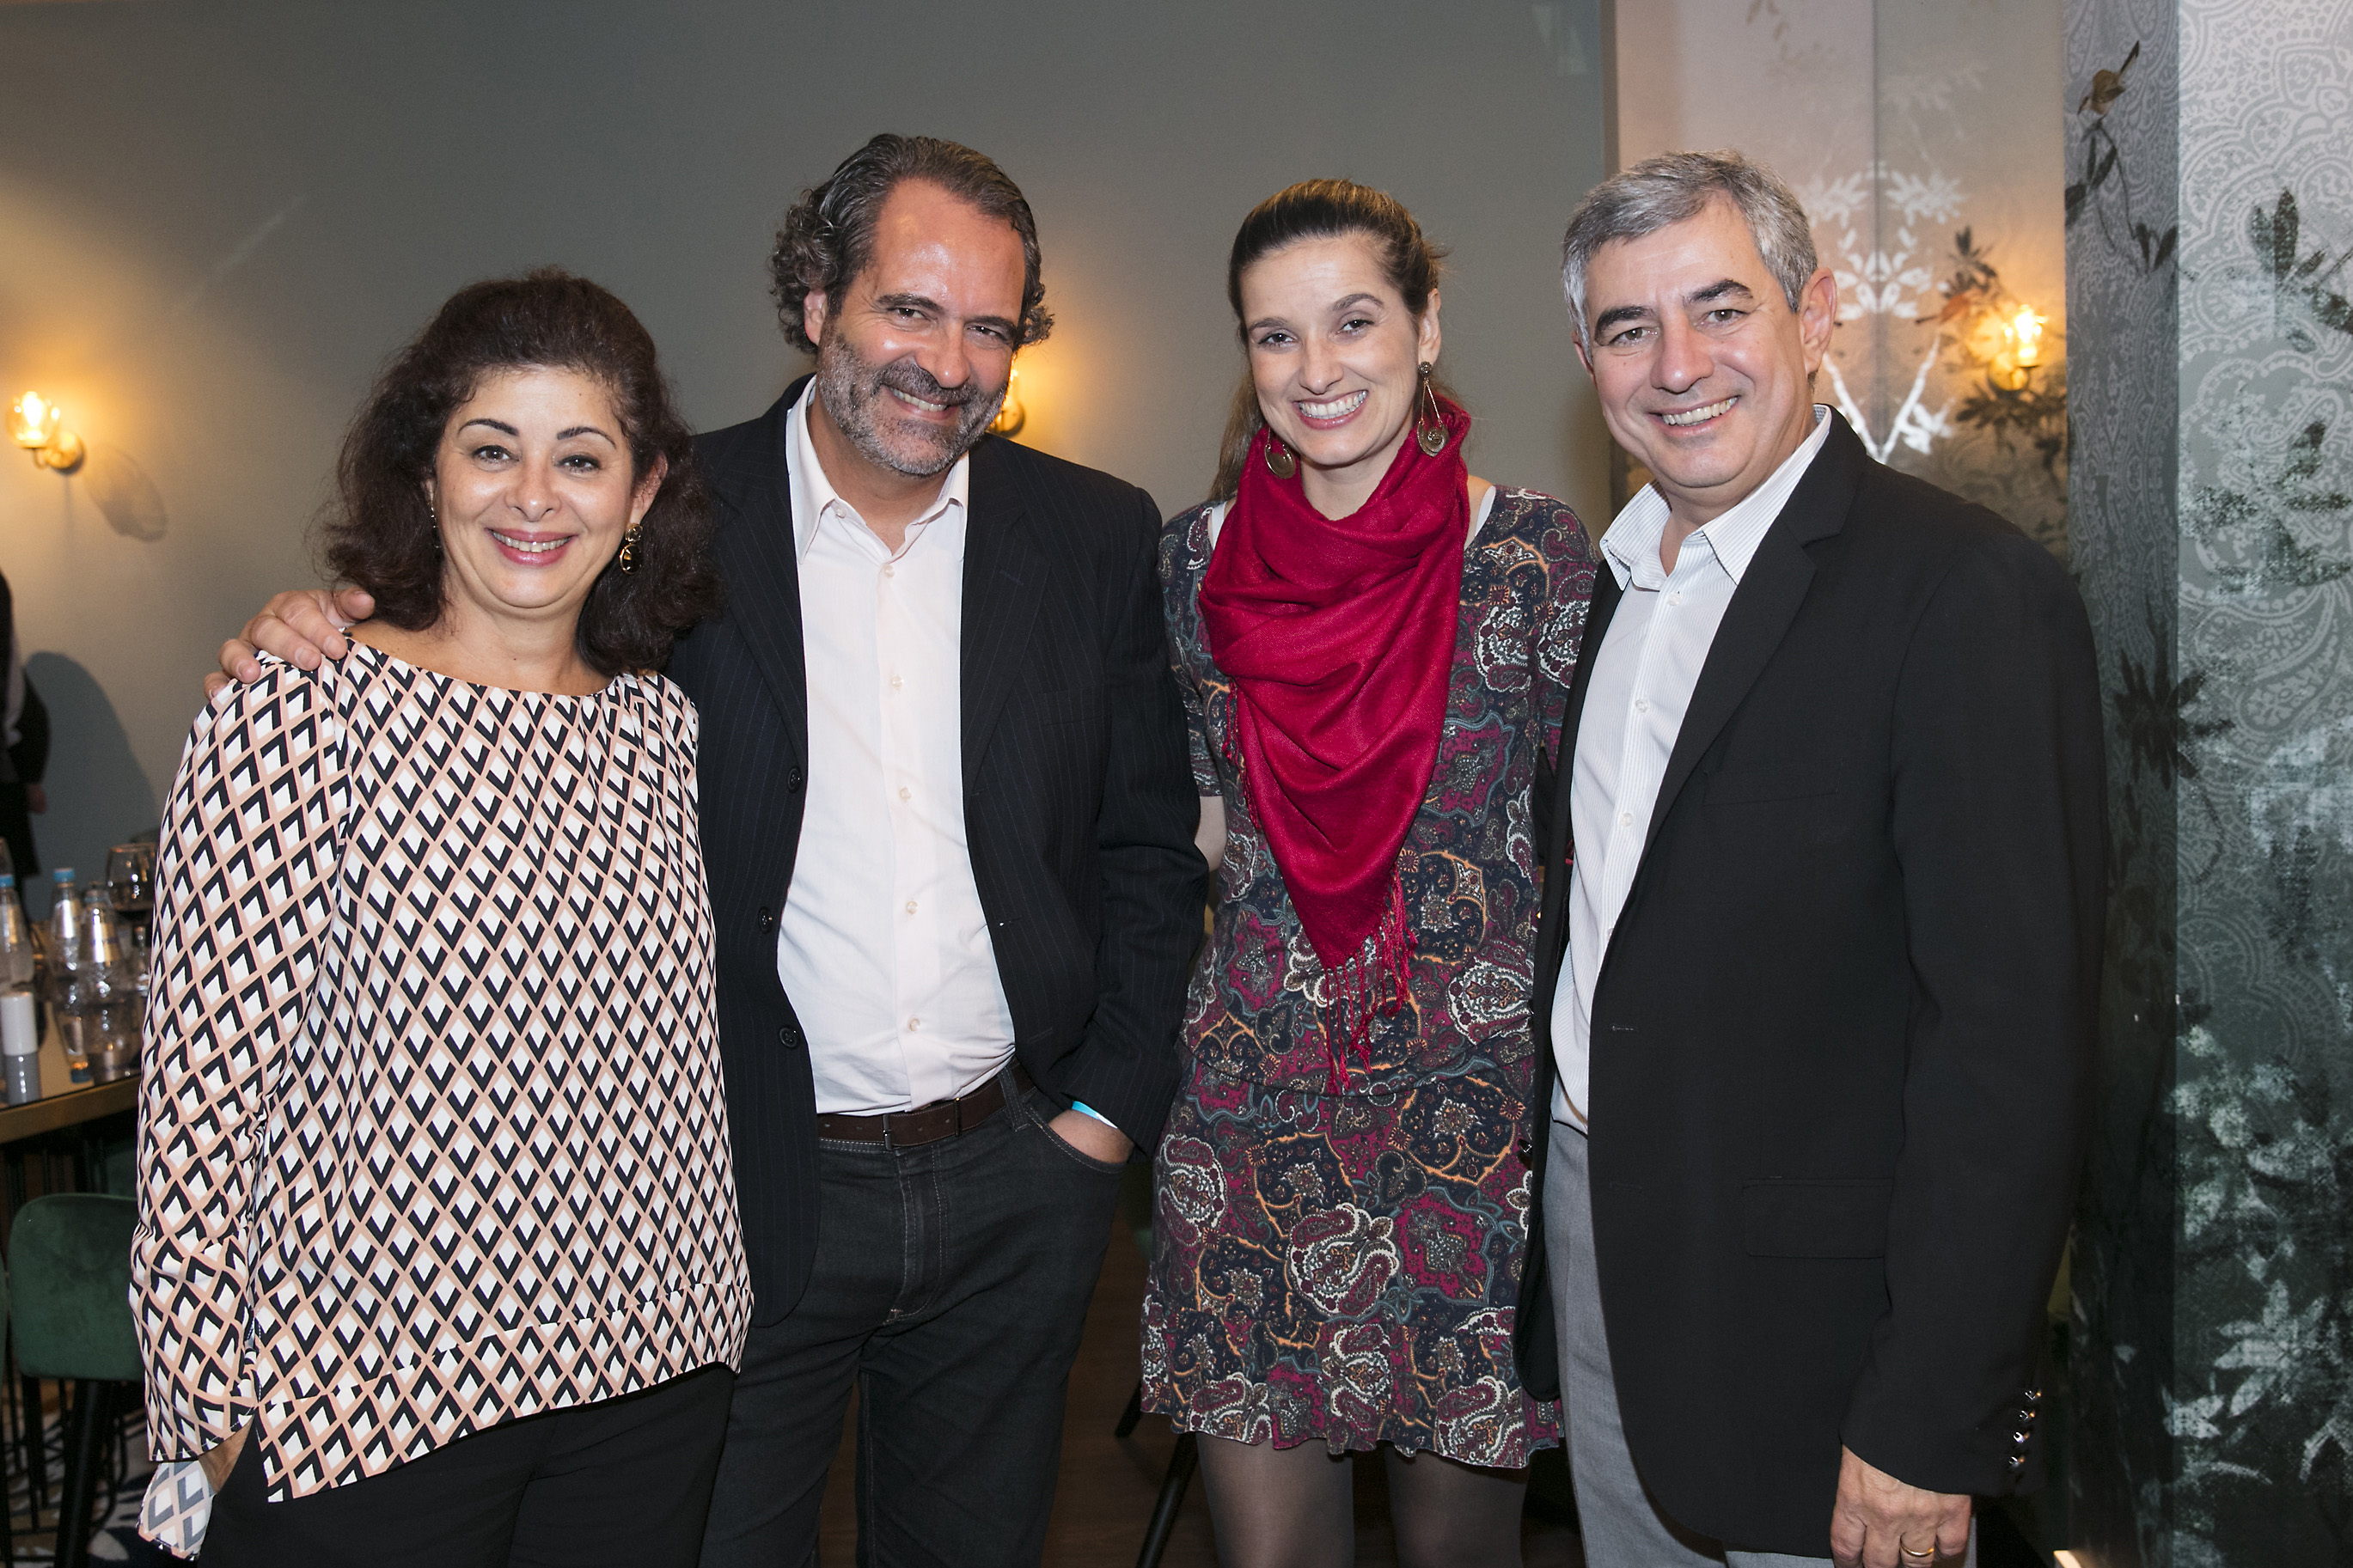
[[301, 625]]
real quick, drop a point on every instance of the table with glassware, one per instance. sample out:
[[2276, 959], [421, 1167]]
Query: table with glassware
[[86, 968]]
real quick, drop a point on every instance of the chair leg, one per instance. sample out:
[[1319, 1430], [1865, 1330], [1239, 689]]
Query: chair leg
[[1181, 1465], [36, 1434], [7, 1514], [1132, 1415], [85, 1433]]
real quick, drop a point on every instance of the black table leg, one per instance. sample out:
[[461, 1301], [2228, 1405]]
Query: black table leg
[[85, 1432]]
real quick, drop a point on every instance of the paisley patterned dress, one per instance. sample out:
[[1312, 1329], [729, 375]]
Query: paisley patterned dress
[[1343, 1267]]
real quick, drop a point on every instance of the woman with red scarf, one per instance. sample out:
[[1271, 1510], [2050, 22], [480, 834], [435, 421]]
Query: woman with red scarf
[[1374, 648]]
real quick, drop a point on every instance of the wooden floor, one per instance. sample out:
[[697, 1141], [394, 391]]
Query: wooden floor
[[1108, 1486]]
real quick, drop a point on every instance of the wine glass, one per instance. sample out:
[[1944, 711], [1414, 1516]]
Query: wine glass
[[130, 888], [130, 881]]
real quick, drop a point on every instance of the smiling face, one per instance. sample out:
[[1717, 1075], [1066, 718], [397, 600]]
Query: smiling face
[[914, 360], [1702, 369], [1336, 359], [532, 491]]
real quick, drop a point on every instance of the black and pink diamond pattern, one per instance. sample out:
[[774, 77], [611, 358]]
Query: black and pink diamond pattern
[[432, 1132]]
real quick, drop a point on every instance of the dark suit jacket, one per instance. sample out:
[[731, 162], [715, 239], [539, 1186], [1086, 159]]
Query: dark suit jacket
[[1079, 802], [1843, 1036]]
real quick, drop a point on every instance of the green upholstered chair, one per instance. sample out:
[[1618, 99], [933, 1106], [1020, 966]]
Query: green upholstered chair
[[8, 1520], [69, 1265]]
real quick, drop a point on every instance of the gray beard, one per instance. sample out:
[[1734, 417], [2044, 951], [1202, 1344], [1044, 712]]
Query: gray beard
[[851, 388]]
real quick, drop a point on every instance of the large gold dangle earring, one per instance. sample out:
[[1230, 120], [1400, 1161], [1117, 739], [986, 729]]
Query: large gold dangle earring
[[1279, 462], [1428, 428], [628, 557]]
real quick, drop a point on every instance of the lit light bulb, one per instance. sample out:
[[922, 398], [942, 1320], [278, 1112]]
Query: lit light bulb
[[2028, 331], [34, 421]]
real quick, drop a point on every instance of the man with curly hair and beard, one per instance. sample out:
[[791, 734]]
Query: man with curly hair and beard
[[949, 822]]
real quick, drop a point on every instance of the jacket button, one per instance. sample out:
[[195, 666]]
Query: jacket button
[[767, 919], [794, 779], [789, 1036], [1527, 1149]]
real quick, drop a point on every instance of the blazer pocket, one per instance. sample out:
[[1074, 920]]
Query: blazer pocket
[[1782, 1218]]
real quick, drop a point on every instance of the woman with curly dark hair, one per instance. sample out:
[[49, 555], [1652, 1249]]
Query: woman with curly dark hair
[[437, 1257]]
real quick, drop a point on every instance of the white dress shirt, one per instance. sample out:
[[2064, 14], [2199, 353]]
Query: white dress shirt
[[883, 945], [1643, 674]]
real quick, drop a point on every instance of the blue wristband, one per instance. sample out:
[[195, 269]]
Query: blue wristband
[[1083, 1108]]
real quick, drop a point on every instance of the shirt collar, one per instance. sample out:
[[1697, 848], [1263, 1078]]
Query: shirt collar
[[812, 492], [1632, 540]]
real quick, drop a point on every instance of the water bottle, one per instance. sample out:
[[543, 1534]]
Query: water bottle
[[65, 922], [111, 1031], [20, 1029], [68, 984]]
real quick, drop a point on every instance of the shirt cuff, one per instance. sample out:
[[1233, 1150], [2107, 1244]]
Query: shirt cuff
[[1083, 1108]]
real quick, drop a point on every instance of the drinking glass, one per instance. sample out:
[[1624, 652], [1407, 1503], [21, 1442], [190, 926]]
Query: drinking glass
[[130, 888], [130, 881]]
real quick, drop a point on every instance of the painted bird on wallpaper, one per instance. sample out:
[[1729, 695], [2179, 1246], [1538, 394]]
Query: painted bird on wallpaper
[[2108, 85]]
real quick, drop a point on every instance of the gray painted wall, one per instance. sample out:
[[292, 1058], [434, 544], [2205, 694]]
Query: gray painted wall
[[217, 216]]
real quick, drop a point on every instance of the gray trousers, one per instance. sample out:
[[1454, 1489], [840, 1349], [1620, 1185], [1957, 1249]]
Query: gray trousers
[[1622, 1527]]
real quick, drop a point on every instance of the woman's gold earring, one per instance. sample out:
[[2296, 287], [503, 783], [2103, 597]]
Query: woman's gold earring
[[1430, 427], [628, 558], [1278, 460]]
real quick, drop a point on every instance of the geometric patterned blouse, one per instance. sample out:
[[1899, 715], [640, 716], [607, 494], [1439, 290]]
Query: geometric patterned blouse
[[432, 1132]]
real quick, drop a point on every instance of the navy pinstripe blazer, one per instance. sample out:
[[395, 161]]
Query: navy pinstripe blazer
[[1079, 804]]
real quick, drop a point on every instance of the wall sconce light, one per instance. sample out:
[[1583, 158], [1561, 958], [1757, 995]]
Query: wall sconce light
[[34, 422], [2022, 351], [1012, 415]]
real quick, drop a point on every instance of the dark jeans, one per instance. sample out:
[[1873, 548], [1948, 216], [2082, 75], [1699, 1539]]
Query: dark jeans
[[950, 1286], [623, 1481]]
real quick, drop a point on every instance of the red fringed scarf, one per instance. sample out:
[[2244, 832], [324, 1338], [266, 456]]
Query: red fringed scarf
[[1338, 638]]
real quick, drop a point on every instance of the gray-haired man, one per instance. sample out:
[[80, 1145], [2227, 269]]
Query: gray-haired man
[[1822, 941]]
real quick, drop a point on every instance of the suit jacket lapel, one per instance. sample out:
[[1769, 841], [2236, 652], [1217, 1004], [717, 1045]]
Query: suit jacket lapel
[[760, 563], [1004, 582], [1762, 608]]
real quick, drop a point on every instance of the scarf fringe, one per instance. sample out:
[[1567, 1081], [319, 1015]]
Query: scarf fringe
[[1372, 985], [1375, 983]]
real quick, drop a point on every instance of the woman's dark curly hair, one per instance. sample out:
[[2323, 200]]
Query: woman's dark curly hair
[[826, 239], [380, 533]]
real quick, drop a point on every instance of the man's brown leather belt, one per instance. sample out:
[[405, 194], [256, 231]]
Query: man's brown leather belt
[[925, 1123]]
